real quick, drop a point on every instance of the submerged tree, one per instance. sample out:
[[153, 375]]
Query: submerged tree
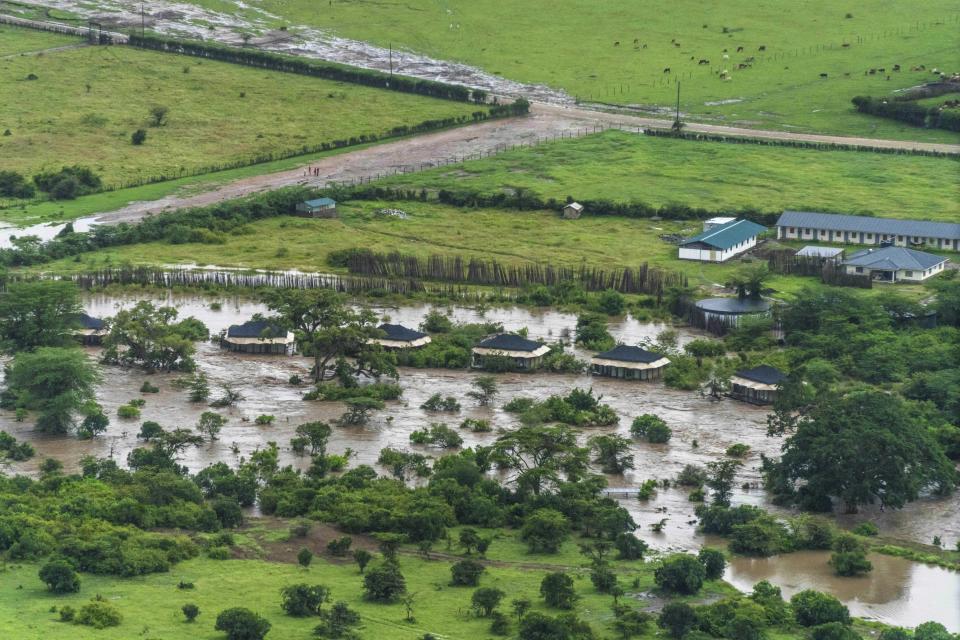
[[38, 314], [149, 337], [55, 382]]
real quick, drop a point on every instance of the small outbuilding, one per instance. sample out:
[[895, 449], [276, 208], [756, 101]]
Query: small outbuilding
[[721, 242], [827, 254], [397, 336], [719, 221], [758, 385], [526, 354], [91, 330], [629, 362], [258, 336], [317, 208], [573, 211]]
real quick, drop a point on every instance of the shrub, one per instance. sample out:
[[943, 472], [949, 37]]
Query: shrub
[[545, 530], [218, 553], [340, 546], [304, 557], [384, 583], [466, 573], [833, 631], [557, 590], [190, 611], [677, 618], [485, 599], [14, 185], [264, 419], [812, 608], [138, 137], [867, 529], [437, 402], [128, 412], [67, 613], [439, 435], [651, 427], [692, 476], [98, 615], [146, 387], [680, 573], [240, 623], [499, 624], [303, 599], [60, 577], [738, 450], [629, 547], [476, 425], [713, 562]]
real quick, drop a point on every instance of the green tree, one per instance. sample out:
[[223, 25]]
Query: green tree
[[337, 621], [485, 599], [541, 456], [199, 388], [303, 599], [557, 590], [304, 557], [240, 623], [95, 421], [466, 573], [680, 573], [147, 336], [362, 557], [721, 475], [210, 424], [484, 389], [612, 453], [60, 577], [190, 611], [384, 583], [520, 606], [545, 530], [653, 428], [38, 314], [55, 382], [713, 562], [630, 623], [592, 332], [812, 608], [849, 556], [611, 302], [677, 618], [862, 447]]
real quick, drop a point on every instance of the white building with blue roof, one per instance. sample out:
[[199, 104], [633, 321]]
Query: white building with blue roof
[[895, 264], [722, 242]]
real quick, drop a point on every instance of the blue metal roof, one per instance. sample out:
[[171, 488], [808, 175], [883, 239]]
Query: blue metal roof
[[866, 224], [895, 258], [320, 202], [727, 235]]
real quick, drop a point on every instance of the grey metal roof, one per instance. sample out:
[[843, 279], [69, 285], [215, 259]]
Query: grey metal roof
[[820, 252], [727, 235], [866, 224], [320, 202], [893, 258], [400, 333], [510, 342], [89, 322], [256, 329], [764, 374], [627, 353]]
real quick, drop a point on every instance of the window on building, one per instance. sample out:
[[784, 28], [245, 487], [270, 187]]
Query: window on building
[[909, 274], [859, 269], [869, 236]]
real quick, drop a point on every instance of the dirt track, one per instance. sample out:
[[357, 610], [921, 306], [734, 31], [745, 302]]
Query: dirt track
[[425, 151]]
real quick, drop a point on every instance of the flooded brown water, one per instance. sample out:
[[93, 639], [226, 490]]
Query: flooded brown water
[[897, 591], [712, 426]]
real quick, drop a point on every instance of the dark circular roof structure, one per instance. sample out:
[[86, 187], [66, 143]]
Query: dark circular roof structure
[[733, 306]]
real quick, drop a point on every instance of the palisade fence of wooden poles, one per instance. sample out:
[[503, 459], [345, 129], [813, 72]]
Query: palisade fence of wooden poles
[[785, 261]]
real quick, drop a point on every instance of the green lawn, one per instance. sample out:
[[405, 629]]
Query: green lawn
[[85, 103], [509, 237], [622, 166], [14, 40], [570, 45]]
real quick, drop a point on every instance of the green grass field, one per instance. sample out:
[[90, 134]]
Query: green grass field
[[509, 237], [151, 604], [85, 104], [714, 175], [570, 45], [14, 41]]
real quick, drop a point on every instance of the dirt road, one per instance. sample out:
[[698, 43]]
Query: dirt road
[[425, 151]]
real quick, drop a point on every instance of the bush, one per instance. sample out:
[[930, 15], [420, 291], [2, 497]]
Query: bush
[[557, 590], [812, 608], [833, 631], [466, 573], [476, 425], [146, 387], [190, 611], [242, 624], [485, 600], [713, 562], [629, 547], [218, 553], [437, 402], [128, 412], [138, 137], [14, 185], [340, 546], [545, 530], [98, 615], [264, 419], [437, 434], [651, 427], [303, 599], [304, 557], [680, 573], [677, 618], [867, 529], [60, 577], [384, 583], [738, 450], [692, 476], [67, 613]]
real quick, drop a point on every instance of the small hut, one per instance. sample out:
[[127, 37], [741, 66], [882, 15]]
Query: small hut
[[397, 336], [628, 362], [719, 315], [258, 336], [757, 386], [526, 354], [91, 331], [318, 208], [573, 211]]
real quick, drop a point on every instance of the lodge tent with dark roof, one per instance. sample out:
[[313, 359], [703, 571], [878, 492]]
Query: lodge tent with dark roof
[[629, 362], [758, 385], [526, 354], [258, 336], [397, 336]]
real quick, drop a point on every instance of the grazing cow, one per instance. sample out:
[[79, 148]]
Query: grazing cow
[[636, 40], [644, 45], [823, 75], [743, 65], [739, 49], [667, 70], [617, 43], [703, 61], [763, 47], [846, 74], [896, 67], [676, 44], [845, 45], [872, 72], [882, 70]]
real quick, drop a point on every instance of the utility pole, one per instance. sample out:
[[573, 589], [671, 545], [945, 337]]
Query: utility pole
[[142, 20], [677, 125], [391, 59]]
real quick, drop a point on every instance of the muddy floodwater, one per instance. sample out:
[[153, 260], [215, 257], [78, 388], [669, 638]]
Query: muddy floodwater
[[897, 590]]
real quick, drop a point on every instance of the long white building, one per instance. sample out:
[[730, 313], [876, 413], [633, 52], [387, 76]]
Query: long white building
[[830, 227]]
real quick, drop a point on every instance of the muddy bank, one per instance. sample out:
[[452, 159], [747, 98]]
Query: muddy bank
[[897, 591]]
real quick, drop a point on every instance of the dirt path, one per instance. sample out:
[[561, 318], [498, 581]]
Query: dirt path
[[435, 149], [43, 51]]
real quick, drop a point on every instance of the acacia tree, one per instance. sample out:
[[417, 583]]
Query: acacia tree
[[56, 382], [720, 477], [541, 456], [148, 337], [863, 447], [613, 453], [328, 330], [38, 314]]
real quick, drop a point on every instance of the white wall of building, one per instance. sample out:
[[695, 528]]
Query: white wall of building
[[857, 237], [902, 274], [706, 255]]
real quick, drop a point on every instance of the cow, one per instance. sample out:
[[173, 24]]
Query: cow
[[872, 72], [617, 43], [845, 45], [743, 65], [763, 47], [739, 49], [882, 70], [667, 70], [823, 75], [896, 67], [703, 61]]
